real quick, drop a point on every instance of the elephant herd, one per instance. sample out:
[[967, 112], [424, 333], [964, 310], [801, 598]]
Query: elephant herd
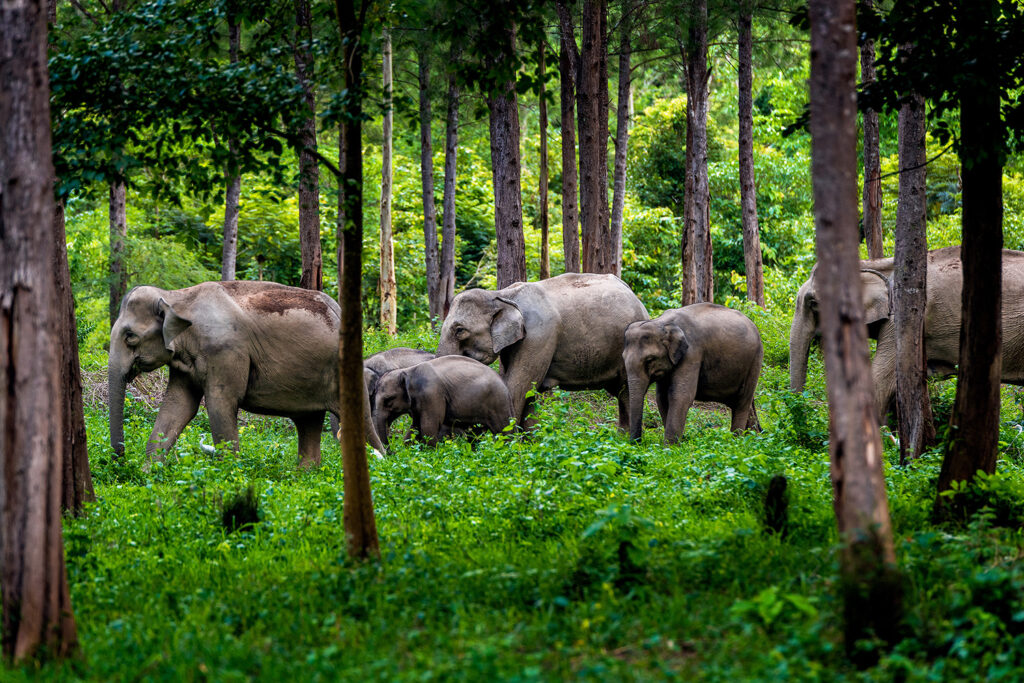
[[272, 349]]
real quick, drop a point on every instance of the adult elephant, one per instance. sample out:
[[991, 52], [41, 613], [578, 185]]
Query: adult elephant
[[941, 327], [565, 331], [259, 346]]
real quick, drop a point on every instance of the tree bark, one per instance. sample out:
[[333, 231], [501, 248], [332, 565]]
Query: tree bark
[[698, 281], [593, 131], [623, 114], [37, 617], [446, 284], [872, 211], [568, 64], [434, 302], [359, 521], [910, 286], [545, 257], [870, 579], [388, 285], [748, 191], [309, 170], [229, 248], [974, 424], [118, 234]]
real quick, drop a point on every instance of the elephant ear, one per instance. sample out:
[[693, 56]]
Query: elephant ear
[[174, 324], [403, 383], [370, 379], [676, 343], [507, 325], [877, 290]]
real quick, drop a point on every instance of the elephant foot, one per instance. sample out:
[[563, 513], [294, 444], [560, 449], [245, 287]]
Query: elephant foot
[[309, 462]]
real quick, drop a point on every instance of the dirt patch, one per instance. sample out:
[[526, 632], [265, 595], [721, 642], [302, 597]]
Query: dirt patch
[[280, 300]]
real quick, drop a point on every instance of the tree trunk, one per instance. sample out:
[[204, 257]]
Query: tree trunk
[[975, 420], [388, 285], [697, 255], [545, 258], [229, 249], [118, 218], [309, 170], [870, 579], [37, 617], [622, 121], [568, 64], [446, 284], [910, 286], [593, 131], [503, 108], [748, 191], [359, 521], [434, 302], [872, 163]]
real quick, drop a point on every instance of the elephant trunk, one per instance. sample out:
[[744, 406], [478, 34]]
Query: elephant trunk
[[380, 425], [800, 335], [116, 383], [637, 393], [447, 348]]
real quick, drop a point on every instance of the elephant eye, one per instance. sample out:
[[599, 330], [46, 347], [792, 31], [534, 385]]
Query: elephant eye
[[461, 333], [130, 338]]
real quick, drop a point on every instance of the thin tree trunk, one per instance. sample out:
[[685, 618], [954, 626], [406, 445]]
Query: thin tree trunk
[[446, 284], [359, 521], [748, 191], [434, 303], [118, 219], [309, 170], [229, 248], [388, 285], [697, 253], [910, 286], [568, 64], [975, 420], [37, 617], [872, 162], [593, 131], [622, 121], [545, 258], [870, 579]]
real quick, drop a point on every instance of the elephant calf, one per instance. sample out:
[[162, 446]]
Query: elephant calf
[[700, 352], [441, 395]]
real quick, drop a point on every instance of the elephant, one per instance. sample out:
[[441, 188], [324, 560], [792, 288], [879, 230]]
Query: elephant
[[702, 352], [941, 326], [564, 331], [390, 359], [443, 395], [259, 346]]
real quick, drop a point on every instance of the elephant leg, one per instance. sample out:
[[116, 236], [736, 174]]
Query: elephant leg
[[180, 405], [309, 426], [623, 398], [681, 393], [222, 406], [428, 425], [661, 398]]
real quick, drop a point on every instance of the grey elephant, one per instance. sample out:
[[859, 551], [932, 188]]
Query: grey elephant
[[442, 395], [257, 346], [564, 331], [703, 352], [941, 327], [390, 359]]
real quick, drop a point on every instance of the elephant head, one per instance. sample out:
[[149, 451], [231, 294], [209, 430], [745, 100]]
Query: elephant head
[[142, 339], [392, 400], [480, 325], [876, 291], [651, 351]]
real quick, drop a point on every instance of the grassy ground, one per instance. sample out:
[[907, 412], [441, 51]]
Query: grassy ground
[[567, 553]]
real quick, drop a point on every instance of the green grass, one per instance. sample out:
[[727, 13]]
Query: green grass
[[565, 553]]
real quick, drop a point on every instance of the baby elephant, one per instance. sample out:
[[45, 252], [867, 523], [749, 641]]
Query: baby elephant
[[700, 352], [443, 394]]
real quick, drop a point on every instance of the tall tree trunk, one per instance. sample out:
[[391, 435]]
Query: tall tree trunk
[[434, 302], [229, 248], [388, 285], [37, 617], [446, 284], [872, 162], [697, 255], [309, 170], [622, 121], [870, 579], [545, 257], [359, 521], [748, 191], [118, 219], [593, 130], [503, 109], [568, 65], [975, 420], [910, 286]]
